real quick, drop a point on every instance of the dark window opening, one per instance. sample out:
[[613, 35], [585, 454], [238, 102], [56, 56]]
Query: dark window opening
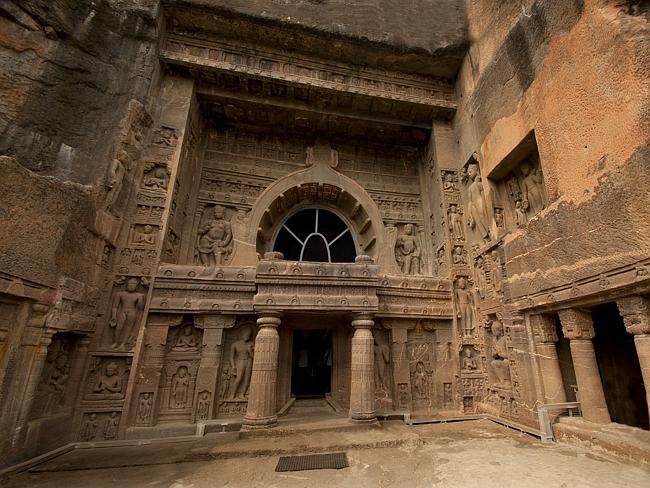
[[316, 234]]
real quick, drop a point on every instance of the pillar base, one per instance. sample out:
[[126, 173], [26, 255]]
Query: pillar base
[[362, 418], [364, 421], [261, 423]]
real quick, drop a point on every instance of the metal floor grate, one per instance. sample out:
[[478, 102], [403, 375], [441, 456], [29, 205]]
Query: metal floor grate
[[334, 460]]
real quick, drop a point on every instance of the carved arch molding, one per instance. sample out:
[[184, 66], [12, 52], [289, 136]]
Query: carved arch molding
[[323, 187]]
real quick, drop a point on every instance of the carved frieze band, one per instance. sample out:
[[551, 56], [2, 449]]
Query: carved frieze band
[[243, 59]]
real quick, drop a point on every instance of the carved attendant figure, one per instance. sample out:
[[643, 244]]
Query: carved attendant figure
[[477, 213], [89, 429], [215, 239], [203, 407], [115, 178], [382, 360], [520, 216], [420, 380], [180, 386], [465, 308], [144, 407], [500, 362], [156, 179], [456, 223], [531, 188], [408, 251], [126, 309], [110, 427], [241, 364]]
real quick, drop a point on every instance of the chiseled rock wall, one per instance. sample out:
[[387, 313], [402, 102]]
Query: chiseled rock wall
[[576, 72]]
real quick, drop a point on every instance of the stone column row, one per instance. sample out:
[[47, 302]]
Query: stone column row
[[577, 326], [262, 408]]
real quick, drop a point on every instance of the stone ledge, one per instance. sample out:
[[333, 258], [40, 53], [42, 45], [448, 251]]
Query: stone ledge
[[615, 439]]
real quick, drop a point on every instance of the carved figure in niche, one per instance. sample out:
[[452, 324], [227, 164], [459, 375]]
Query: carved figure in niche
[[89, 428], [500, 363], [496, 275], [477, 213], [145, 406], [408, 250], [480, 276], [110, 426], [382, 361], [239, 224], [186, 339], [225, 381], [241, 363], [512, 187], [105, 259], [203, 406], [532, 191], [147, 236], [56, 381], [448, 183], [180, 387], [109, 383], [215, 239], [465, 308], [440, 255], [420, 380], [156, 177], [498, 217], [520, 216], [456, 223], [115, 177], [468, 362], [125, 312], [458, 256]]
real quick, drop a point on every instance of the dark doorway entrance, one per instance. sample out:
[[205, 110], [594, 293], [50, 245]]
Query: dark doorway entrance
[[566, 362], [619, 368], [311, 373]]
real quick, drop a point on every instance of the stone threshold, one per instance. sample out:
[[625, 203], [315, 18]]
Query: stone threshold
[[621, 441]]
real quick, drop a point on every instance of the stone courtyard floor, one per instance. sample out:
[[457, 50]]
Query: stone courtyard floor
[[476, 454]]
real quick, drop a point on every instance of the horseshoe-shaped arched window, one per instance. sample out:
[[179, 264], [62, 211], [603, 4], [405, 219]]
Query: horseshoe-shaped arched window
[[316, 234]]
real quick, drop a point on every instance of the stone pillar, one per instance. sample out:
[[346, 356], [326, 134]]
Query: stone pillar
[[362, 387], [208, 373], [262, 411], [545, 338], [635, 311], [578, 327]]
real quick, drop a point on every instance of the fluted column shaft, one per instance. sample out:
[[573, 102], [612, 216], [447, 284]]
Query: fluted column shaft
[[261, 411], [635, 311], [545, 338], [578, 327], [362, 384]]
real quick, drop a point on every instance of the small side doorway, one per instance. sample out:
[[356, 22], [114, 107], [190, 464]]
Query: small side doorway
[[311, 372]]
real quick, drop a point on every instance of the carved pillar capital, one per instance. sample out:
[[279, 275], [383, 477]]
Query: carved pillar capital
[[577, 324], [269, 319], [362, 321], [635, 311], [543, 327]]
